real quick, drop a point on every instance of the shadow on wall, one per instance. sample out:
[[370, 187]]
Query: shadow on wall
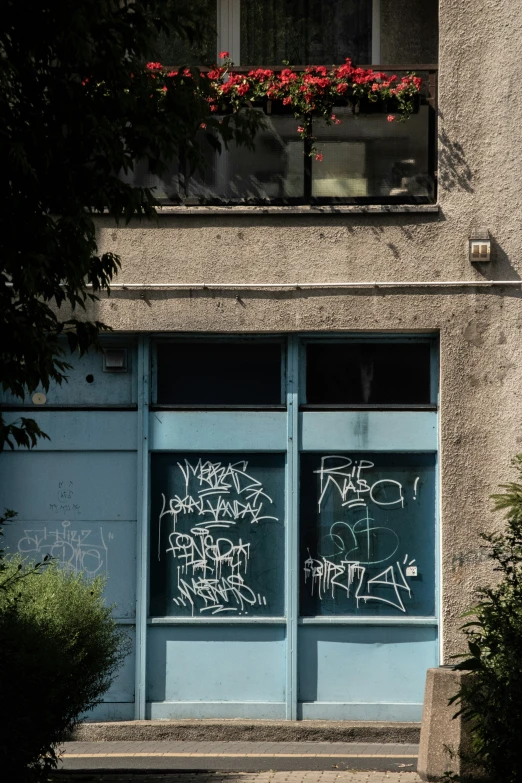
[[454, 171], [500, 267]]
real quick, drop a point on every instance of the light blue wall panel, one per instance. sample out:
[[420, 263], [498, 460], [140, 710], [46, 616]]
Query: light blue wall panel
[[351, 664], [369, 430], [216, 664], [72, 486], [106, 549], [105, 388], [122, 689], [84, 430], [362, 711], [220, 430], [201, 710], [118, 703], [110, 711]]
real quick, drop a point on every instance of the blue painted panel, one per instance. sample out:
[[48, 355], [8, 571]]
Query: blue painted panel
[[219, 430], [73, 486], [84, 430], [391, 713], [105, 388], [371, 665], [122, 689], [200, 710], [224, 664], [368, 430], [110, 712], [106, 549]]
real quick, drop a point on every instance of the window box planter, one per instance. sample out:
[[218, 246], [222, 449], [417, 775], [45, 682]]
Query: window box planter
[[391, 106]]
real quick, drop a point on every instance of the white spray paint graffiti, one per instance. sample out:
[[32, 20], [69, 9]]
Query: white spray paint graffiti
[[350, 568], [210, 567], [79, 551]]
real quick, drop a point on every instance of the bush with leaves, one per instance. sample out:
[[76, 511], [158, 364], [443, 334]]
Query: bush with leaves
[[60, 652], [491, 700]]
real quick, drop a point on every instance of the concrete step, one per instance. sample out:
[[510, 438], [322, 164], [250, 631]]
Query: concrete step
[[247, 731]]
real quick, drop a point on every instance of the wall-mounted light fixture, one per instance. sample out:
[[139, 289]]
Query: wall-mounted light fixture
[[479, 246], [115, 360]]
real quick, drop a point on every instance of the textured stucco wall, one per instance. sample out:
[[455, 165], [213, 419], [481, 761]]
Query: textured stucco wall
[[480, 152]]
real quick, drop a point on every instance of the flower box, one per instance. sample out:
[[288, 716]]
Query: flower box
[[391, 106]]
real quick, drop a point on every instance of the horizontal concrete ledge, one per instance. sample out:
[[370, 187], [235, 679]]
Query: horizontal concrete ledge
[[349, 209], [244, 731]]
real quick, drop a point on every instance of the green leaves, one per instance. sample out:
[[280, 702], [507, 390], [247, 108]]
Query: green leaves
[[491, 699]]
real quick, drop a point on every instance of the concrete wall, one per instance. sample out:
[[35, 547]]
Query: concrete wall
[[480, 151]]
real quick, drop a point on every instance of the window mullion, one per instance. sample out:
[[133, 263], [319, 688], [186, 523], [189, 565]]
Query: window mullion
[[229, 27]]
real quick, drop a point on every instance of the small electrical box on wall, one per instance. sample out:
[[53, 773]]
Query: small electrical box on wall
[[115, 360], [479, 246]]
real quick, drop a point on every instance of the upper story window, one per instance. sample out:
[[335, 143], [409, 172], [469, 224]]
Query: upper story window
[[312, 32], [321, 32]]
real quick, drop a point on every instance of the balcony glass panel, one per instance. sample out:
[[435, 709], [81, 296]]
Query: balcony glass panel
[[368, 157], [272, 173]]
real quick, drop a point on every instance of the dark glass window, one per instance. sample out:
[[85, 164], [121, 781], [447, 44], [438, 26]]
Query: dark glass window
[[367, 374], [218, 543], [212, 373], [367, 531], [320, 32], [178, 50]]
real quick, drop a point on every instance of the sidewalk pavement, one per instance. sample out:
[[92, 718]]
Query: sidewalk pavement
[[238, 762], [242, 777]]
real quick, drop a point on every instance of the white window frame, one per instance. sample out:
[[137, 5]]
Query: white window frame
[[229, 30]]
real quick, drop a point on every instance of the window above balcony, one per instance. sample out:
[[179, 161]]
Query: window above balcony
[[312, 32]]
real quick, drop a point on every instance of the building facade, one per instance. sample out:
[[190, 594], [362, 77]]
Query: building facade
[[282, 460]]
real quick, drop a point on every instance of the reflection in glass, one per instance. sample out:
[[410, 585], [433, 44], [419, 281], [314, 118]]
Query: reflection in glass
[[366, 156]]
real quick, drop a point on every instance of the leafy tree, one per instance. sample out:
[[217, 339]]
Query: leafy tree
[[491, 699], [77, 108]]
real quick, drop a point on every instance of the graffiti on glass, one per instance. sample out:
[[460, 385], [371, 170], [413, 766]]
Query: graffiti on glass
[[211, 558], [358, 557]]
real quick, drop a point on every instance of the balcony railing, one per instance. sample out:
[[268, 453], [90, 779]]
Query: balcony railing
[[365, 160]]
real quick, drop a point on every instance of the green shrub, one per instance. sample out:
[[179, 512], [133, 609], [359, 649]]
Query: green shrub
[[492, 699], [60, 651]]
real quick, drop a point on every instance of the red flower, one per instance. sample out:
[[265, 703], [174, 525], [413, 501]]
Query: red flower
[[154, 66], [319, 156], [224, 55], [391, 118]]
